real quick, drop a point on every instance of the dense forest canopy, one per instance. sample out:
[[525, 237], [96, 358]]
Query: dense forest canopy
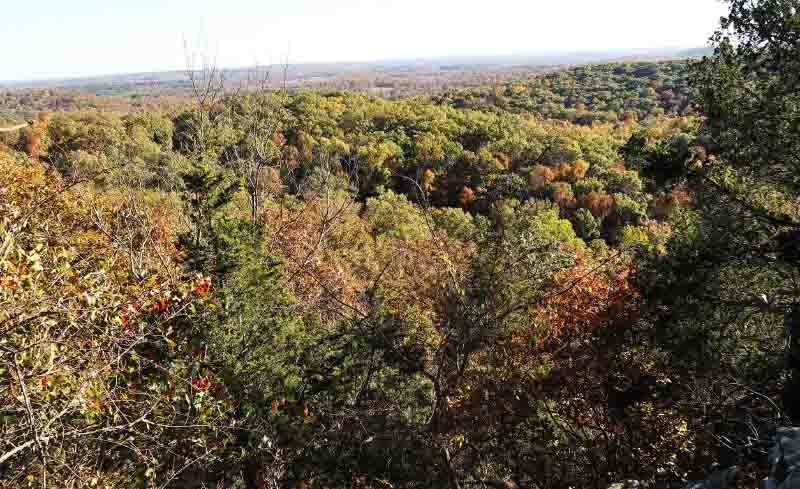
[[568, 280], [590, 93]]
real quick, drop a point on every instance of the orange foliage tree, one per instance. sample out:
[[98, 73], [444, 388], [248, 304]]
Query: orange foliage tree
[[598, 203]]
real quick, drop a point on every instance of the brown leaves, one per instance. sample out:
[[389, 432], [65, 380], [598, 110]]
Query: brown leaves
[[598, 203], [540, 176]]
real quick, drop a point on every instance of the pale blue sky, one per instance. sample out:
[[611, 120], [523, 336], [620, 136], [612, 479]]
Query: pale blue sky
[[61, 38]]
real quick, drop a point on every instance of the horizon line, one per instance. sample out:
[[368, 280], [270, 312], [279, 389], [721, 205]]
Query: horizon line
[[418, 59]]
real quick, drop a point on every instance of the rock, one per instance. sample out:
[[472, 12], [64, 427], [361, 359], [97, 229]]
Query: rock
[[789, 446], [630, 484], [723, 479]]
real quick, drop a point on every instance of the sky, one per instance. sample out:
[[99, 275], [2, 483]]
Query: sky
[[60, 39]]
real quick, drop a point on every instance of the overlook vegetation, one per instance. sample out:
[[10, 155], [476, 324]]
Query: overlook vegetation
[[571, 280]]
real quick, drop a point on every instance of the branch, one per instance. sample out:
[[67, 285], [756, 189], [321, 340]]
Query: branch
[[16, 450], [14, 128]]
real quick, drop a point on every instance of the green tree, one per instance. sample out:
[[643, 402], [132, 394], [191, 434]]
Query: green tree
[[586, 225], [392, 215], [208, 191], [728, 265]]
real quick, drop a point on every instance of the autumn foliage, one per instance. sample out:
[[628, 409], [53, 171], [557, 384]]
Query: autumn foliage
[[302, 289]]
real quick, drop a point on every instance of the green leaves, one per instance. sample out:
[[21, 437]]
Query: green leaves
[[392, 215], [749, 90]]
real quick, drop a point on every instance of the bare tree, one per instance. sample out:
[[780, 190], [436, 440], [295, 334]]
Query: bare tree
[[260, 114], [207, 83]]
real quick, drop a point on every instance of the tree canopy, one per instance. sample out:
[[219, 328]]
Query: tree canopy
[[574, 279]]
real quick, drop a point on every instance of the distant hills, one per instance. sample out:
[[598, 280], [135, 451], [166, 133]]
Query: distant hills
[[320, 73]]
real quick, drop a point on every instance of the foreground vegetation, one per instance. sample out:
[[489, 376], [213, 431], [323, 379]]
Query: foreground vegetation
[[269, 289]]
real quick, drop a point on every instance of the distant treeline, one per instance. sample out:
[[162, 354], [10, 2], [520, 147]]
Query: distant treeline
[[585, 94]]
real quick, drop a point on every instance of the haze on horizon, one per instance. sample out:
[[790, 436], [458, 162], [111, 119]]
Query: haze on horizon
[[93, 37]]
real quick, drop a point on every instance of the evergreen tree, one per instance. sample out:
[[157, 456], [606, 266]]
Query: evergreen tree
[[724, 293]]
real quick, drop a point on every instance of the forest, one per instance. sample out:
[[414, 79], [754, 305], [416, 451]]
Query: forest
[[587, 94], [602, 92], [586, 278]]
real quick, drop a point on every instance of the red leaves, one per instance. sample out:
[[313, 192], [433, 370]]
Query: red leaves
[[290, 410], [127, 312], [202, 286], [161, 305], [201, 384]]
